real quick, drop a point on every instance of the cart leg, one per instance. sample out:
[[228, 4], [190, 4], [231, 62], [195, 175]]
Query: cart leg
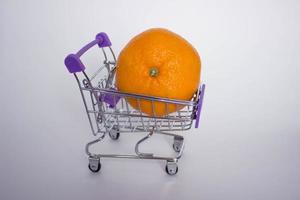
[[87, 146], [140, 154]]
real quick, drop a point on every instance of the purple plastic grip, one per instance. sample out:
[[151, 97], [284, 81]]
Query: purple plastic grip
[[74, 64], [199, 106], [103, 37]]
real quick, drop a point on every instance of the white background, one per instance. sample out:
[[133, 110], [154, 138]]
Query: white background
[[246, 148]]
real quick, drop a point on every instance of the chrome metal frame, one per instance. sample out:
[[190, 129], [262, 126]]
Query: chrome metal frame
[[104, 118]]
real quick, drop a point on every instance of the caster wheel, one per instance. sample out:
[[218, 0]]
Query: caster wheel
[[114, 134], [95, 169], [171, 168], [177, 145], [94, 164]]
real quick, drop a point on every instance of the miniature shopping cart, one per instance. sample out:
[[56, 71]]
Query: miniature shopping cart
[[109, 112]]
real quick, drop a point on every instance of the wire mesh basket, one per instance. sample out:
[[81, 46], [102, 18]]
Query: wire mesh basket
[[109, 110]]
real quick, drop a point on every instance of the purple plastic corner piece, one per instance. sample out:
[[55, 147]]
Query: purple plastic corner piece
[[199, 106], [74, 64], [104, 40], [110, 99]]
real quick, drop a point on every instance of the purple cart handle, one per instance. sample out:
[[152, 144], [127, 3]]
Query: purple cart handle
[[73, 62], [199, 106]]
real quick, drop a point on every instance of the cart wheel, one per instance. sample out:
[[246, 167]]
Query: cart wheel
[[95, 169], [178, 143], [171, 168], [114, 134], [94, 164]]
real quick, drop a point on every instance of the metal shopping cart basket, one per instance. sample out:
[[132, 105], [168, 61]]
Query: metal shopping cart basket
[[109, 112]]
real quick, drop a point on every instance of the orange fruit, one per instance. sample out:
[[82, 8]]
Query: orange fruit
[[158, 63]]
